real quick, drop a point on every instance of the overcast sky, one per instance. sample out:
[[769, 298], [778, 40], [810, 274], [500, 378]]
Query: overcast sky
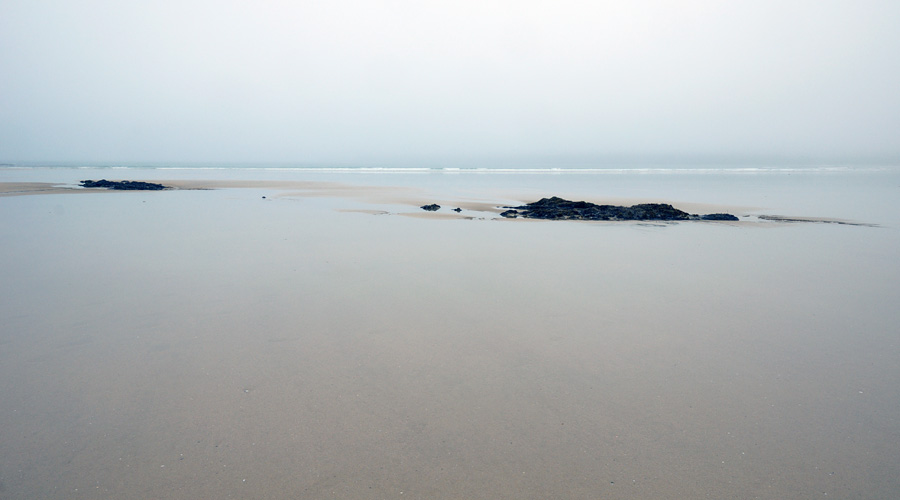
[[346, 81]]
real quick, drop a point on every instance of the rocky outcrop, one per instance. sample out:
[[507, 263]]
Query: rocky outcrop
[[726, 217], [123, 185], [559, 209], [434, 207]]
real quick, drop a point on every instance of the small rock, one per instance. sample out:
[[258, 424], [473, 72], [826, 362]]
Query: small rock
[[434, 207]]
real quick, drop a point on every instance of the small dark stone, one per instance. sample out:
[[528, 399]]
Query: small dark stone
[[434, 207], [457, 210], [123, 185]]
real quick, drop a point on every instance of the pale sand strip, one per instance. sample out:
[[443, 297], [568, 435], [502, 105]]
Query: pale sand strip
[[378, 194], [414, 197], [25, 188]]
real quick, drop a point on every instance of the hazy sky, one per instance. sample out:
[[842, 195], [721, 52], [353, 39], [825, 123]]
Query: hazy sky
[[345, 81]]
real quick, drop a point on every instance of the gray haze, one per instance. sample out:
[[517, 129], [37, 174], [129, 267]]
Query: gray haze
[[349, 81]]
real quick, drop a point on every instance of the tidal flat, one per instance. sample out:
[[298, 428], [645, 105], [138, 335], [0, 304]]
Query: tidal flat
[[303, 337]]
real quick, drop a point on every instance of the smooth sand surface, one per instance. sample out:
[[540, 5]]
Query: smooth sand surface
[[29, 188], [215, 344]]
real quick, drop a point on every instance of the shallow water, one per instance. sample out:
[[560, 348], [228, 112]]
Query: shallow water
[[215, 344]]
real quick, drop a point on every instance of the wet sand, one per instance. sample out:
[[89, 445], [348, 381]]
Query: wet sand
[[407, 198], [216, 344]]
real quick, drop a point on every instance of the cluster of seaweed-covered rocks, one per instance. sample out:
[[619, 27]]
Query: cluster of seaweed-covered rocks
[[559, 209], [123, 185]]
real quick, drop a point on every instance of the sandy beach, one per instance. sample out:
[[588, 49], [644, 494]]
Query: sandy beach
[[325, 338]]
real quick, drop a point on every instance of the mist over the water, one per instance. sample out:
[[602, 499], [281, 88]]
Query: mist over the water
[[360, 82]]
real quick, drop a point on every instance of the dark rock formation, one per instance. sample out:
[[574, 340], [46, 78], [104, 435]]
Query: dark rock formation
[[434, 207], [123, 185], [718, 217], [560, 209], [457, 210]]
